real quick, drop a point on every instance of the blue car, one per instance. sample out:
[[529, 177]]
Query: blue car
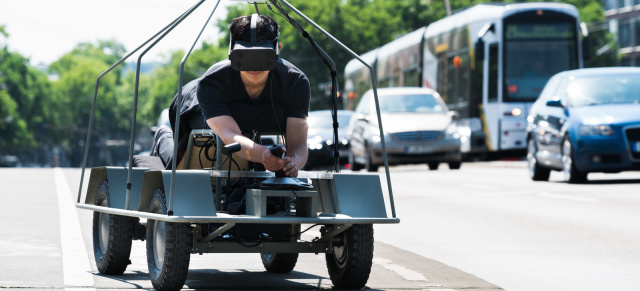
[[584, 121]]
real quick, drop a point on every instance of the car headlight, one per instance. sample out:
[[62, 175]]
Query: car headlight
[[596, 129], [451, 132], [314, 143], [375, 138]]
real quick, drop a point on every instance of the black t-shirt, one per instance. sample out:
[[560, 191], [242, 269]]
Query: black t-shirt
[[286, 94]]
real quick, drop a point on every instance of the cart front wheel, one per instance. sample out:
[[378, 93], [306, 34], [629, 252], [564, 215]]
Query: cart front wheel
[[112, 236], [279, 262], [350, 263], [168, 248]]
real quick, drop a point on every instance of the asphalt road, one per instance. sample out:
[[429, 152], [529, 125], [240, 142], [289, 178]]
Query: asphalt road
[[483, 227]]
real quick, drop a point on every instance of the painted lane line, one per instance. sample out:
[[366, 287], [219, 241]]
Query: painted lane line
[[405, 273], [569, 197], [75, 260]]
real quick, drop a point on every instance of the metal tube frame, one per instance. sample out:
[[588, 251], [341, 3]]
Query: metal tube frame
[[239, 219], [227, 218]]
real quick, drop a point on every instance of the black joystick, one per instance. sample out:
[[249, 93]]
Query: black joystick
[[277, 151], [280, 182]]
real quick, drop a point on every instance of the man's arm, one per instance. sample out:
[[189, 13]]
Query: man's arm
[[297, 151], [228, 130]]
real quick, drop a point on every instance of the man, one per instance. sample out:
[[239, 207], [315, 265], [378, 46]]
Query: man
[[237, 104]]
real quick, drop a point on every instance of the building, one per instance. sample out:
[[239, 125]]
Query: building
[[623, 17]]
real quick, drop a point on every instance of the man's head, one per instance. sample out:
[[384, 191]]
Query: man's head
[[254, 43], [266, 29]]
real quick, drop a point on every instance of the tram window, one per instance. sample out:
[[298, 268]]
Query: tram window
[[493, 72], [411, 78]]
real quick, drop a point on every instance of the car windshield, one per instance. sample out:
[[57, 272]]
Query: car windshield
[[326, 121], [414, 103], [604, 90]]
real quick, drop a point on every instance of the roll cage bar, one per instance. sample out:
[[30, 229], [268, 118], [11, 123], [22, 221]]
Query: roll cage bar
[[167, 29]]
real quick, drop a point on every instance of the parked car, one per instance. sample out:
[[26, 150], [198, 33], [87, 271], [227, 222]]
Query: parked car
[[320, 138], [10, 161], [417, 127], [584, 121]]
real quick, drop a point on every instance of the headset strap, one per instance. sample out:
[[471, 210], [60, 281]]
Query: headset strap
[[254, 25]]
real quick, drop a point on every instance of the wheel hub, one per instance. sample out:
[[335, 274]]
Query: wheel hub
[[159, 242]]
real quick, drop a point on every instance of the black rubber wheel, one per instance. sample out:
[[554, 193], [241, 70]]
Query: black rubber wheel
[[369, 165], [350, 262], [279, 262], [571, 172], [112, 237], [433, 166], [455, 165], [168, 248], [354, 165], [536, 172]]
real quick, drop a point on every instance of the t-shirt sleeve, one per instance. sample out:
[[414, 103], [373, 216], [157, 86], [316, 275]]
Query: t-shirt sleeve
[[213, 94], [299, 96]]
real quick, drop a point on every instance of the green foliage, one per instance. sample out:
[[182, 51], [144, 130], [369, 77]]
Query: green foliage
[[22, 103]]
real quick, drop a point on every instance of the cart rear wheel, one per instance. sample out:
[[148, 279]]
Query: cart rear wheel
[[350, 263], [279, 262], [112, 237], [168, 248], [433, 166]]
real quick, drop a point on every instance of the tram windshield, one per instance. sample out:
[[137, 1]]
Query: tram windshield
[[535, 50]]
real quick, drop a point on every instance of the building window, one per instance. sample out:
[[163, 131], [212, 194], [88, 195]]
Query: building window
[[636, 26], [624, 34]]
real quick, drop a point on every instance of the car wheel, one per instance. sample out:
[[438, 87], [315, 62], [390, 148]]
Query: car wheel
[[369, 164], [455, 165], [433, 166], [536, 172], [352, 161], [571, 172]]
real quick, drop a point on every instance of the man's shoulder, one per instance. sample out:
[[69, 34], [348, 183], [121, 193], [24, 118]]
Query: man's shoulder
[[289, 70], [220, 67]]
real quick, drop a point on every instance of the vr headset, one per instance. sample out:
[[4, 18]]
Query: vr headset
[[254, 56]]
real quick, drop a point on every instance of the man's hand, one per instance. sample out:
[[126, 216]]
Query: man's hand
[[271, 162], [290, 168]]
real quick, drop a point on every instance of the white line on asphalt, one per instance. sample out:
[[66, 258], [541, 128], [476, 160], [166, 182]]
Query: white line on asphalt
[[568, 197], [75, 260], [405, 273]]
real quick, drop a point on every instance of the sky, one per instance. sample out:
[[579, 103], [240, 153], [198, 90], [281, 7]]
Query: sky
[[44, 30]]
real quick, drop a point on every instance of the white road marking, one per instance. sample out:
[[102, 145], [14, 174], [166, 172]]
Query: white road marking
[[568, 197], [405, 273], [75, 260]]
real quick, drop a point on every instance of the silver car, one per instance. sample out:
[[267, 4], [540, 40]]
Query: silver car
[[418, 128]]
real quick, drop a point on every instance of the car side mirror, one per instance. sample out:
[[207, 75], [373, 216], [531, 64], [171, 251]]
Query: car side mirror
[[455, 115], [555, 103]]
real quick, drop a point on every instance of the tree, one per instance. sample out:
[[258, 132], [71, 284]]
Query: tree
[[23, 93], [73, 94]]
